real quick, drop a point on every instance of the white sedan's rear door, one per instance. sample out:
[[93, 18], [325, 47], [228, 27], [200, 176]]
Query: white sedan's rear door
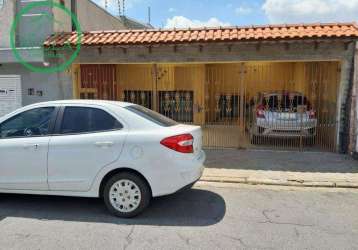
[[89, 139]]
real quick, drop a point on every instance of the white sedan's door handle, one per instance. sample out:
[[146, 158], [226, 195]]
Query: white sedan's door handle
[[30, 145], [104, 144]]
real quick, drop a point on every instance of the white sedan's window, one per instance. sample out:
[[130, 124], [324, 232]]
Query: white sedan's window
[[152, 116], [78, 120], [34, 122], [1, 3]]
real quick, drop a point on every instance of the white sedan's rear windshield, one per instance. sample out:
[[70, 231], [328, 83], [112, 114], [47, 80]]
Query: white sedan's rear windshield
[[152, 116]]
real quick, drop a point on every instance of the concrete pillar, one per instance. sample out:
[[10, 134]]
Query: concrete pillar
[[353, 133], [343, 94]]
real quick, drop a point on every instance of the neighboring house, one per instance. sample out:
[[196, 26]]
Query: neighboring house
[[93, 17], [30, 34], [133, 24], [213, 76]]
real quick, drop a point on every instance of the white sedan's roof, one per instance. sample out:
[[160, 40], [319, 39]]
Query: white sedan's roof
[[84, 102]]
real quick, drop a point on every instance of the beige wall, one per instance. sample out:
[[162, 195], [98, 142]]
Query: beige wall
[[7, 12], [93, 17], [64, 23], [90, 16]]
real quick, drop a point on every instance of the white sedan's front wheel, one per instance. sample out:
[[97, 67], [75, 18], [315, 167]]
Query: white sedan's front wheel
[[126, 195]]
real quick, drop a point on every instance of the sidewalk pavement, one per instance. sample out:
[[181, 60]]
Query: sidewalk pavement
[[305, 169]]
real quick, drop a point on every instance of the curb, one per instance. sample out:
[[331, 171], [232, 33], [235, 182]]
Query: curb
[[274, 182]]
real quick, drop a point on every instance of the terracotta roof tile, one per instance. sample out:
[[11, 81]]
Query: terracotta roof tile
[[220, 34]]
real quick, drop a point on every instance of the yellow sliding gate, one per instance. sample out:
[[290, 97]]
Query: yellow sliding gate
[[285, 105]]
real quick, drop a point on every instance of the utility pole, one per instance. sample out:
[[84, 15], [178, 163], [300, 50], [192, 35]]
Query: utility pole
[[149, 15], [119, 8]]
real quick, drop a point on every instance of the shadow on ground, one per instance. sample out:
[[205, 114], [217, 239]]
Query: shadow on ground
[[321, 162], [193, 207]]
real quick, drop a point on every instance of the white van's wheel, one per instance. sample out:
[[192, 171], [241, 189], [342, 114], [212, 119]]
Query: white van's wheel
[[126, 195]]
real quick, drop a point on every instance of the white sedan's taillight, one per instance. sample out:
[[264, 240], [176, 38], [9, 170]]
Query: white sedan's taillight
[[180, 143]]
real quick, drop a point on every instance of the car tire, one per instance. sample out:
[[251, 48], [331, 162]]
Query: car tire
[[126, 195]]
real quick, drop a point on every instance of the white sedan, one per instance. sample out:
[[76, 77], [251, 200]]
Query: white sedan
[[122, 152]]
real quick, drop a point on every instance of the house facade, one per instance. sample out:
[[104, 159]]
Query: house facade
[[29, 38], [214, 77]]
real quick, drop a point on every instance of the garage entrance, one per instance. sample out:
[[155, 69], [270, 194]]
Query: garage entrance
[[285, 105]]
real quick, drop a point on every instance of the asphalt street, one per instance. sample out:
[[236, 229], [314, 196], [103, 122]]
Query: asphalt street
[[210, 216]]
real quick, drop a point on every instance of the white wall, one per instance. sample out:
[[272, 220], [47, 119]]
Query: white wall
[[51, 85], [10, 95]]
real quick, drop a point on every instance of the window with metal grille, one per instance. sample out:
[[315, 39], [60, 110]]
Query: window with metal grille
[[177, 105], [140, 97], [88, 96], [229, 106]]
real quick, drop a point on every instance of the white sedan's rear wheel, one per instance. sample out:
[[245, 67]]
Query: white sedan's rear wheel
[[126, 195]]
